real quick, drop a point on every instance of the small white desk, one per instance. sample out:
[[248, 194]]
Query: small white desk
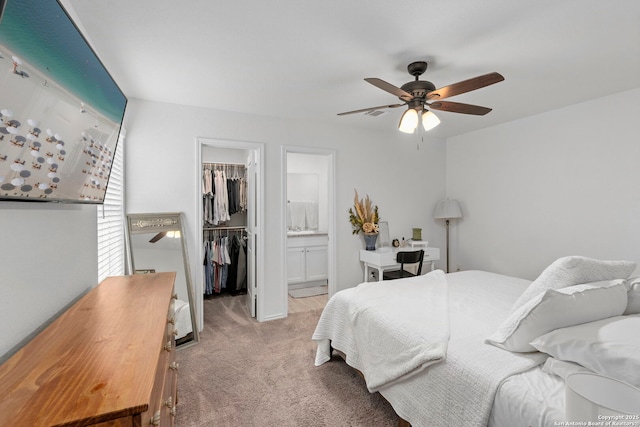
[[385, 259]]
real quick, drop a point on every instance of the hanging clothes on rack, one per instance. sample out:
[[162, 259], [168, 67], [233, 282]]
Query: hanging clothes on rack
[[224, 261], [223, 191], [207, 194], [221, 198]]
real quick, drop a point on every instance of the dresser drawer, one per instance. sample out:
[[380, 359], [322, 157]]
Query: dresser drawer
[[161, 410], [388, 258], [379, 257], [153, 415], [168, 411], [431, 255]]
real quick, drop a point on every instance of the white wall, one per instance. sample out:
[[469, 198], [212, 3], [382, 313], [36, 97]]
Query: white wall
[[560, 183], [162, 175], [48, 258]]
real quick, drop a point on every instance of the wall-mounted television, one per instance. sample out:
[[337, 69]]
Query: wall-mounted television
[[60, 111]]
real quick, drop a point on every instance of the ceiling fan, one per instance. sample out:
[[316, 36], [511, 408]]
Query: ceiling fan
[[160, 235], [420, 94]]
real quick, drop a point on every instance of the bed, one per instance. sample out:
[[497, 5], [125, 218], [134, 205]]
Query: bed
[[456, 349], [183, 319]]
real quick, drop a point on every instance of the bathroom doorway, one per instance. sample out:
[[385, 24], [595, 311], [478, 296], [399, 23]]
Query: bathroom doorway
[[309, 222]]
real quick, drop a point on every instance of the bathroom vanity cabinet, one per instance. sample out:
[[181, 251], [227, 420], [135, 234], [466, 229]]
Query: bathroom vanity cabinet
[[307, 259]]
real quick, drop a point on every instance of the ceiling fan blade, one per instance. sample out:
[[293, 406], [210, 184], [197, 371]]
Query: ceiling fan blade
[[457, 107], [388, 87], [465, 86], [364, 110], [158, 236]]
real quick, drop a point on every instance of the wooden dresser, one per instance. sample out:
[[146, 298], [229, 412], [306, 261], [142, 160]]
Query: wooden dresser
[[107, 361]]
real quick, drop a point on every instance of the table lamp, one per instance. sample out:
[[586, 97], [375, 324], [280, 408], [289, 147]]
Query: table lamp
[[447, 209]]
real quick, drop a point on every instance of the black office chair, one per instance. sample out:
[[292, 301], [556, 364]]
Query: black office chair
[[415, 257]]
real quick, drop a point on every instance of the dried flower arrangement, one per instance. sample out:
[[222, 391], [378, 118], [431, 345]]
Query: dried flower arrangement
[[364, 216]]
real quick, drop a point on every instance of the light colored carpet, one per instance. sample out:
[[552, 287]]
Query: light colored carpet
[[251, 374], [308, 292]]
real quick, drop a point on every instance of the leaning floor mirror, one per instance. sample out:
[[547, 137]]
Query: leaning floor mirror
[[157, 244]]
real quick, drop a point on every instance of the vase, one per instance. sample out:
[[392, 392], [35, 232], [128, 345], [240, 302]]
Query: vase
[[370, 241]]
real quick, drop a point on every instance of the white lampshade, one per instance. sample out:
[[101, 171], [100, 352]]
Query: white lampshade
[[589, 397], [408, 121], [447, 209], [429, 120]]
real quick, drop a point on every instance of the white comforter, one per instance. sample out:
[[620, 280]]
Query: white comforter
[[396, 328], [459, 390], [183, 318]]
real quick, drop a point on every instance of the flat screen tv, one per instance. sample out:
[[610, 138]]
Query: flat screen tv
[[60, 110]]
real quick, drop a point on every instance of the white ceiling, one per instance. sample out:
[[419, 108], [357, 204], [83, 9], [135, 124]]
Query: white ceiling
[[308, 59]]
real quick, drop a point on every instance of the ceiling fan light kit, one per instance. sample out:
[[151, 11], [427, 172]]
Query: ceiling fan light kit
[[415, 94], [429, 120], [408, 121]]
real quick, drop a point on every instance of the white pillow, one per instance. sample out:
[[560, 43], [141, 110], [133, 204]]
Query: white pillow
[[633, 296], [609, 347], [574, 270], [557, 308]]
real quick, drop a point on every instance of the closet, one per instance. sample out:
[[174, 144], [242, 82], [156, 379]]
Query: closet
[[241, 159], [224, 233]]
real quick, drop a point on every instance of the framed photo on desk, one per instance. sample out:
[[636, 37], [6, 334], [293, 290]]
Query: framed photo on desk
[[383, 234]]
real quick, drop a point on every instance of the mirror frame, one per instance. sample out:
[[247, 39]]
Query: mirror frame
[[140, 223]]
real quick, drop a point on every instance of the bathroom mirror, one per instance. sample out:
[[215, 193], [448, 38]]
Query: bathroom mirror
[[157, 244], [302, 201]]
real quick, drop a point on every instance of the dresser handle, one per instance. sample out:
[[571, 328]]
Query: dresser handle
[[155, 420], [174, 366], [169, 404], [167, 346]]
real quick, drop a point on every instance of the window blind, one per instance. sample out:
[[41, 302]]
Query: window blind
[[111, 241]]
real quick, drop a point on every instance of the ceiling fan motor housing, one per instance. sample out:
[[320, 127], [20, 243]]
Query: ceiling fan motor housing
[[419, 89]]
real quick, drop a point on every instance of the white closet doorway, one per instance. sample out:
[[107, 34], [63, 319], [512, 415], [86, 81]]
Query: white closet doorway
[[308, 185], [247, 156]]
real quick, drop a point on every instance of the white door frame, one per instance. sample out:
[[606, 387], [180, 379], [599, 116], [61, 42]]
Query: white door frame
[[240, 145], [332, 288]]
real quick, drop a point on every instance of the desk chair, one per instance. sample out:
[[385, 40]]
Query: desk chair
[[415, 257]]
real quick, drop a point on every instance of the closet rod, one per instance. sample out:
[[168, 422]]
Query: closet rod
[[242, 227], [224, 166]]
